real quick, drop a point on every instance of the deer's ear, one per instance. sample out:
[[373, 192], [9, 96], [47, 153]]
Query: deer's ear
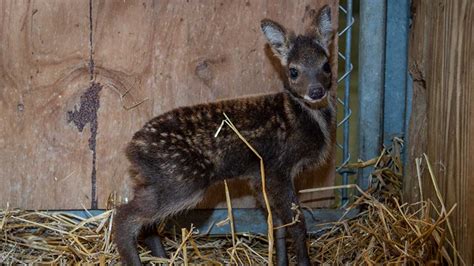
[[278, 39], [321, 27]]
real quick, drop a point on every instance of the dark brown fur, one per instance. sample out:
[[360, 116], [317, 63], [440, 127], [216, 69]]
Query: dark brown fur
[[175, 156]]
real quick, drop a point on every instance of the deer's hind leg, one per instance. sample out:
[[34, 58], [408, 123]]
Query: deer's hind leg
[[127, 226], [138, 219], [152, 240], [149, 206]]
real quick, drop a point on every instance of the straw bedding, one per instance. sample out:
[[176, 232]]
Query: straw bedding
[[386, 230]]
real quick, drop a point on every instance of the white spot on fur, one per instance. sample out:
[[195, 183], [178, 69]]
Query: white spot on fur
[[139, 142]]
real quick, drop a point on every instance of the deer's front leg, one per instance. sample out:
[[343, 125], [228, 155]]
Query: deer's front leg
[[285, 206], [280, 239]]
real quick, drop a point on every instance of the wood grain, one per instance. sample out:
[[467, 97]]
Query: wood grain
[[157, 54], [45, 162], [441, 64]]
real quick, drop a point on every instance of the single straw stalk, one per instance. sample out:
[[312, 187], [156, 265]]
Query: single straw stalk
[[229, 123], [230, 217]]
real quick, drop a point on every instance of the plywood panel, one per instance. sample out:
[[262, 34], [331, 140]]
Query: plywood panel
[[43, 70], [157, 54], [441, 63]]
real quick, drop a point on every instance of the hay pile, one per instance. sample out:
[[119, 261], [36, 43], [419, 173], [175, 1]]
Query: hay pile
[[385, 231], [388, 230]]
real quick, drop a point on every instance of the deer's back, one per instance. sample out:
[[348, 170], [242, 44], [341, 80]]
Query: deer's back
[[180, 145]]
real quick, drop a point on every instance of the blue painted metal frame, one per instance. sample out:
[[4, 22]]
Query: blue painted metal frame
[[396, 62], [245, 220], [384, 86], [371, 82]]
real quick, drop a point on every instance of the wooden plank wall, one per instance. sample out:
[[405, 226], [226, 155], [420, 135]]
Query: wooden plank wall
[[441, 63], [62, 137]]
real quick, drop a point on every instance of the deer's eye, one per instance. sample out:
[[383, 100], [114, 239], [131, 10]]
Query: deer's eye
[[327, 67], [293, 73]]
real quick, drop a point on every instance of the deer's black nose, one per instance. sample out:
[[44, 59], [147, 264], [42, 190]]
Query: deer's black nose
[[316, 93]]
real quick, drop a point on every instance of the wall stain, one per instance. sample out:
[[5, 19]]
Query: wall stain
[[87, 114]]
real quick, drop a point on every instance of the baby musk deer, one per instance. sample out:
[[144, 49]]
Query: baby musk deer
[[175, 156]]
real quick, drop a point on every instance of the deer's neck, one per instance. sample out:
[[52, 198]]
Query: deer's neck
[[322, 117]]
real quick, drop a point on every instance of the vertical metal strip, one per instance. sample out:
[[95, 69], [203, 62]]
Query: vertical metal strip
[[396, 58], [371, 81]]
